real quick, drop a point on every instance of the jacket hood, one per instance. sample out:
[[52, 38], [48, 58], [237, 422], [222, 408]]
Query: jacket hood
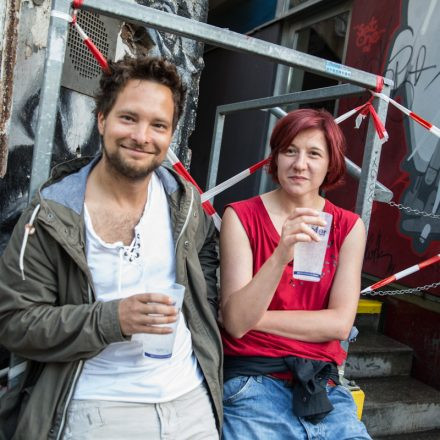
[[67, 185]]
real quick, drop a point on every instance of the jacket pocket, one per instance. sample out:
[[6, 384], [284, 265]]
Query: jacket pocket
[[84, 417], [14, 402], [9, 409]]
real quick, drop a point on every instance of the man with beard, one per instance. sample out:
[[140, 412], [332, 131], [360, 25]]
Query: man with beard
[[77, 281]]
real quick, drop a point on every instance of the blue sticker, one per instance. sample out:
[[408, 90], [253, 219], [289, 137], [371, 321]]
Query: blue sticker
[[337, 69]]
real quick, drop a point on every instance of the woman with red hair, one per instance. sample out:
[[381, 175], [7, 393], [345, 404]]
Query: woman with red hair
[[282, 335]]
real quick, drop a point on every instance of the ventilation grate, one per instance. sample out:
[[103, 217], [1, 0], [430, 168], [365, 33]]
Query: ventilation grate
[[82, 59], [81, 72]]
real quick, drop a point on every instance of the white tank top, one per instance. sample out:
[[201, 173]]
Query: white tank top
[[120, 372]]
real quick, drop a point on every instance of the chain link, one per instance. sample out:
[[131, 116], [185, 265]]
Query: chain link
[[402, 291], [413, 211], [414, 290]]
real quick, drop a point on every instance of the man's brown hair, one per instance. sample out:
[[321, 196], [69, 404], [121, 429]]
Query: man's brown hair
[[152, 69]]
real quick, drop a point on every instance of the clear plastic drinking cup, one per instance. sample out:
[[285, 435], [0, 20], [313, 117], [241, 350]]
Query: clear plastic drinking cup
[[156, 345], [308, 258]]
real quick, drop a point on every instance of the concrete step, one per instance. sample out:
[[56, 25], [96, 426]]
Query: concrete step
[[427, 435], [367, 321], [368, 315], [399, 405], [376, 355]]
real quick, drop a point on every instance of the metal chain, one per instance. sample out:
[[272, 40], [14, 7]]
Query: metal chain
[[402, 291], [414, 289], [412, 210]]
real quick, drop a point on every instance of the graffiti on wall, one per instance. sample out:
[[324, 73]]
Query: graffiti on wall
[[368, 34], [399, 42], [414, 66]]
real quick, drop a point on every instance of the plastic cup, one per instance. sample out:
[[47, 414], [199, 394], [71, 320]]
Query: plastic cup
[[308, 258], [161, 346]]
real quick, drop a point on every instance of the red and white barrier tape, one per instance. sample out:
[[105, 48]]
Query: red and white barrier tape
[[363, 112], [368, 108], [403, 273], [89, 43], [182, 171], [233, 180], [423, 122]]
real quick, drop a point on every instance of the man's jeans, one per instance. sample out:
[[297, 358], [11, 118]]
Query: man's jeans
[[260, 408]]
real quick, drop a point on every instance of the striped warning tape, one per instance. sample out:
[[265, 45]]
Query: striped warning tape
[[72, 19], [89, 43], [233, 180], [415, 117], [403, 273], [182, 171]]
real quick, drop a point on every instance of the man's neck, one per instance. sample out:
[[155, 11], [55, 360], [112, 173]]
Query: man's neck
[[105, 185], [115, 204]]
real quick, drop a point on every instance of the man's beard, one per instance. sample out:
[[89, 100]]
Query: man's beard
[[126, 169]]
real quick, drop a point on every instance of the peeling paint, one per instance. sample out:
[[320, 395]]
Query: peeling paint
[[38, 31], [7, 68], [137, 39]]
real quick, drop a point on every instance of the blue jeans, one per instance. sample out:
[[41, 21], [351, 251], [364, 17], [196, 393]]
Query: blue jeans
[[260, 408]]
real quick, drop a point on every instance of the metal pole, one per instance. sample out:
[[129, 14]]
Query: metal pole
[[227, 39], [370, 163], [305, 96], [381, 192], [50, 90], [215, 149]]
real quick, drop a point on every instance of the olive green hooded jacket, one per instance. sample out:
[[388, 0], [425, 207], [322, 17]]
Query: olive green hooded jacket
[[48, 314]]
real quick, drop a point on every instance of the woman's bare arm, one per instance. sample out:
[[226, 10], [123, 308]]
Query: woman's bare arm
[[336, 321], [245, 299]]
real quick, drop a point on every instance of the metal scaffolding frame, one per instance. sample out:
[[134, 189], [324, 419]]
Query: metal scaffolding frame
[[163, 21], [381, 193]]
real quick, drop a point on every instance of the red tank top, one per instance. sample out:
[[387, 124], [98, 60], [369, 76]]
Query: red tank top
[[290, 294]]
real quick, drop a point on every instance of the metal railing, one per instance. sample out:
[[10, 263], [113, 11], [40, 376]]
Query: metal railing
[[125, 10], [380, 192]]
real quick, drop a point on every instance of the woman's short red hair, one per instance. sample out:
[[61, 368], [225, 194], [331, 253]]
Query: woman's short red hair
[[288, 127]]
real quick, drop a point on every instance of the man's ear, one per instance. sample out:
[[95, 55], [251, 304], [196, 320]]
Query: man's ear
[[101, 123]]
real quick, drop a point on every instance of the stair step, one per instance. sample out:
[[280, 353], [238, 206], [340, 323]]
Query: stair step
[[399, 405], [376, 355], [426, 435], [368, 314]]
